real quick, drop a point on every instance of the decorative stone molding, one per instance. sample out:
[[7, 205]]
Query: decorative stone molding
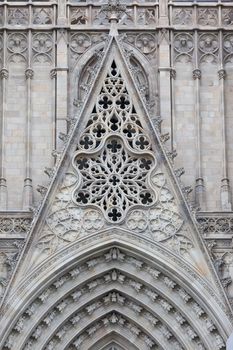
[[10, 249], [18, 16], [208, 44], [14, 223], [113, 10], [42, 47], [196, 74], [228, 47], [139, 309], [207, 17], [227, 17], [146, 42], [182, 16], [4, 73], [222, 74], [79, 16], [217, 231], [29, 73], [183, 47], [17, 47], [42, 15]]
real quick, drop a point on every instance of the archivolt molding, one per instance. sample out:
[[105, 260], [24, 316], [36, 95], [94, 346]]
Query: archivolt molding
[[68, 231], [113, 341], [96, 286]]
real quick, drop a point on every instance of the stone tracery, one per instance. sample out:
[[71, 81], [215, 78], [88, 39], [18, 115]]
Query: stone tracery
[[116, 177]]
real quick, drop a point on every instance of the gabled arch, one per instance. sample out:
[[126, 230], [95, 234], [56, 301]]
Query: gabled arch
[[147, 285], [77, 251]]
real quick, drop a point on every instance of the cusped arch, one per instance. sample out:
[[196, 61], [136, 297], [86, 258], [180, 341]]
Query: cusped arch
[[151, 287]]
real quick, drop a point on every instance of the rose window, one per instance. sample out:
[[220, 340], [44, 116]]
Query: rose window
[[114, 158]]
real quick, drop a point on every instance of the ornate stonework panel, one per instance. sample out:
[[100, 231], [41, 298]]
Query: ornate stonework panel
[[145, 307], [217, 231], [182, 16], [183, 47], [113, 251], [18, 16], [42, 15], [115, 179]]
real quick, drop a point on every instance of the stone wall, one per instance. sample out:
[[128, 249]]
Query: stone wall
[[44, 47]]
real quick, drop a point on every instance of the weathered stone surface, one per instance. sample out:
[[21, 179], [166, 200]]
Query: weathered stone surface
[[110, 115]]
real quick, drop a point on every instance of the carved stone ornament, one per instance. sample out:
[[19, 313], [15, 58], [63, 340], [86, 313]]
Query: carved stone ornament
[[227, 17], [18, 16], [196, 74], [116, 179], [216, 224], [146, 16], [100, 17], [9, 252], [42, 15], [64, 305], [228, 47], [207, 17], [4, 73], [78, 16], [183, 46], [14, 225], [208, 47], [113, 9], [182, 16], [80, 42], [146, 42], [42, 47], [17, 44]]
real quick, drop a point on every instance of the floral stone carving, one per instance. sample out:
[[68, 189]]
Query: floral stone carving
[[42, 16], [116, 176], [116, 179], [42, 45], [17, 44], [183, 46]]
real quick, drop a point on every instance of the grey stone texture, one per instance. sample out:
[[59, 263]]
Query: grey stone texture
[[84, 273]]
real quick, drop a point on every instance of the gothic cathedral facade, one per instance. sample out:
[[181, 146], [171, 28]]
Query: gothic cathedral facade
[[116, 175]]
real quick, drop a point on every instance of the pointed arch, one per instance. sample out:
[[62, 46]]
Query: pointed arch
[[153, 299], [152, 258], [114, 342]]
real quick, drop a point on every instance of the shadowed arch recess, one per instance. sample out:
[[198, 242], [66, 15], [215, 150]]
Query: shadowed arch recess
[[156, 307]]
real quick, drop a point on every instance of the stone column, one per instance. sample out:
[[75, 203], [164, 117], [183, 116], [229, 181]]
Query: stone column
[[225, 195], [199, 187], [27, 190], [61, 73], [3, 184], [165, 81]]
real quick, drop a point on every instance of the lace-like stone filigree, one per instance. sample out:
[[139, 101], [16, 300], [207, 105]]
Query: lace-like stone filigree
[[114, 158]]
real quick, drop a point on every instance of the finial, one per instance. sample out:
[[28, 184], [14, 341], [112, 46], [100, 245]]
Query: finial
[[113, 11]]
